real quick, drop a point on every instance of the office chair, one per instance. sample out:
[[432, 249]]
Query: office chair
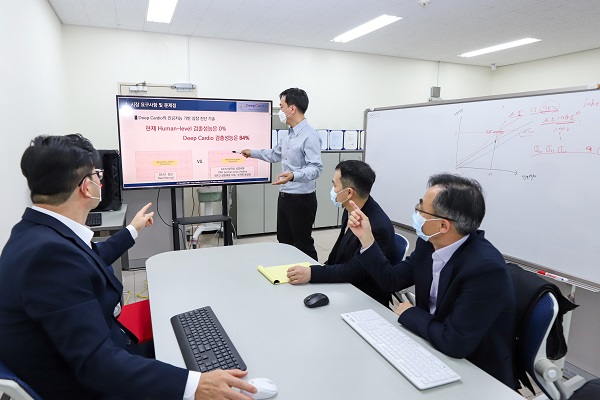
[[136, 318], [11, 387], [402, 247], [531, 351], [589, 391], [531, 345], [207, 202], [540, 307]]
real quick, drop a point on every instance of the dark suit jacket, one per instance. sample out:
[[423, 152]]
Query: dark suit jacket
[[475, 311], [342, 265], [57, 330]]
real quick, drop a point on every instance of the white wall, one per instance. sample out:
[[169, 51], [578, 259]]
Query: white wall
[[578, 69], [340, 86], [32, 100]]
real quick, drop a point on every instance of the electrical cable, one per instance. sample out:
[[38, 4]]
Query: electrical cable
[[140, 295], [164, 222]]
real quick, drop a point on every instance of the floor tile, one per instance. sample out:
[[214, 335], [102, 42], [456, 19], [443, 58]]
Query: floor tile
[[323, 255], [255, 239], [325, 238], [139, 291], [128, 281]]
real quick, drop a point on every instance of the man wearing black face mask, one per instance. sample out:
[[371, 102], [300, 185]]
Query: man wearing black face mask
[[352, 180], [300, 155]]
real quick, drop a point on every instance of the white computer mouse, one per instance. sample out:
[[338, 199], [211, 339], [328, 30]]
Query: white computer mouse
[[266, 388]]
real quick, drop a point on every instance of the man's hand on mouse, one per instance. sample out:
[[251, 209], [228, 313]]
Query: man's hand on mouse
[[218, 384], [298, 274]]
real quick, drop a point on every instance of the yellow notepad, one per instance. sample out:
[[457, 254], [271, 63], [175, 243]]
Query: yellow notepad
[[278, 274]]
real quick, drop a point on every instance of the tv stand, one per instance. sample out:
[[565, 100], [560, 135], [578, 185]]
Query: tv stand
[[224, 219]]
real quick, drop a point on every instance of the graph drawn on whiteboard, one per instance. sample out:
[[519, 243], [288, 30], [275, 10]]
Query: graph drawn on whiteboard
[[227, 165], [486, 149], [519, 136], [163, 165]]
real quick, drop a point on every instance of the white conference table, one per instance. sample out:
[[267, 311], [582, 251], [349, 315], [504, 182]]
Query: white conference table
[[308, 353]]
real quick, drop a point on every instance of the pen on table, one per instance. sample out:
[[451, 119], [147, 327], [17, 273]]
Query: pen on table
[[549, 275]]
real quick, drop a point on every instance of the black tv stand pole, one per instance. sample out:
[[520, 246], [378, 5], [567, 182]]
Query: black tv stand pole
[[225, 219]]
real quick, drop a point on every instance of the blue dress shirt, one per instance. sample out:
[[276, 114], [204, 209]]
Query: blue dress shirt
[[300, 153]]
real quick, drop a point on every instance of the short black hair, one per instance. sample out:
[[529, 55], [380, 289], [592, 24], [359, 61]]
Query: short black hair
[[460, 200], [55, 165], [358, 175], [295, 97]]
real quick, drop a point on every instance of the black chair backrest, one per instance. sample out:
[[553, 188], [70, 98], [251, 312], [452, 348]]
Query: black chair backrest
[[529, 289], [400, 249]]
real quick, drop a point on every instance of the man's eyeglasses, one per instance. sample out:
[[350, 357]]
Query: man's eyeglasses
[[417, 209], [97, 171]]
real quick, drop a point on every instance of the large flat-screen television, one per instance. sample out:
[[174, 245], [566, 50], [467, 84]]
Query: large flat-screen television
[[177, 142]]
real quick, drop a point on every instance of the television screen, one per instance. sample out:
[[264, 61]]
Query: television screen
[[175, 142]]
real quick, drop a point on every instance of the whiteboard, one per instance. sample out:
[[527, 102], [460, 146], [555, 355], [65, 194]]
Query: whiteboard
[[537, 157]]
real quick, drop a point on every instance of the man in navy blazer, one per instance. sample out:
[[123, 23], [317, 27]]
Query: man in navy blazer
[[352, 180], [465, 303], [58, 294]]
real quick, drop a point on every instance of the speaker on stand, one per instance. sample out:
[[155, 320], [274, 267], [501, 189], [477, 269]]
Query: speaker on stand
[[111, 183]]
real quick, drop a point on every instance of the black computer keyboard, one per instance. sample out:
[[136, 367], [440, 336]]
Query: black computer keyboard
[[203, 342], [93, 219]]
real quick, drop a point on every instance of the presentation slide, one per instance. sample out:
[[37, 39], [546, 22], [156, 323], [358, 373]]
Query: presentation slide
[[174, 142]]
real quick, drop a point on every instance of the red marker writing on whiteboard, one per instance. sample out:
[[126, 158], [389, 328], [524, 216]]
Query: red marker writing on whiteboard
[[549, 275]]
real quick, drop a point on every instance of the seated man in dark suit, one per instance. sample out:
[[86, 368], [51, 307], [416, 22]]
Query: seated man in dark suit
[[465, 303], [352, 180], [58, 294]]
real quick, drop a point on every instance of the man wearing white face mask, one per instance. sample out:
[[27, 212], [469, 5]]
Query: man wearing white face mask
[[352, 180], [300, 155], [465, 303]]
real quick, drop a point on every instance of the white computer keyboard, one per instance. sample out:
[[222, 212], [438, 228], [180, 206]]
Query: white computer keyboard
[[416, 363]]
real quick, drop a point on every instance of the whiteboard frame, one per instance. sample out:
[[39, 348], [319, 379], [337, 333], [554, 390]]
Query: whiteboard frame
[[528, 265]]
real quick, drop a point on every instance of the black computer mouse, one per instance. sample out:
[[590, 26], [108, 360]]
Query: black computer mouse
[[316, 300]]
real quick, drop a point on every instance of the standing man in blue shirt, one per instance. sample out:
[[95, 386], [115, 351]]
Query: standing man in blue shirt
[[300, 156]]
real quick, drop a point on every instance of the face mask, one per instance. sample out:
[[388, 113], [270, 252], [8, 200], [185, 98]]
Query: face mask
[[282, 116], [99, 191], [418, 222], [333, 196]]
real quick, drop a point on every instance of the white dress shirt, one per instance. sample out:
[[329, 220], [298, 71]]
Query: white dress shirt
[[86, 234], [440, 258]]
